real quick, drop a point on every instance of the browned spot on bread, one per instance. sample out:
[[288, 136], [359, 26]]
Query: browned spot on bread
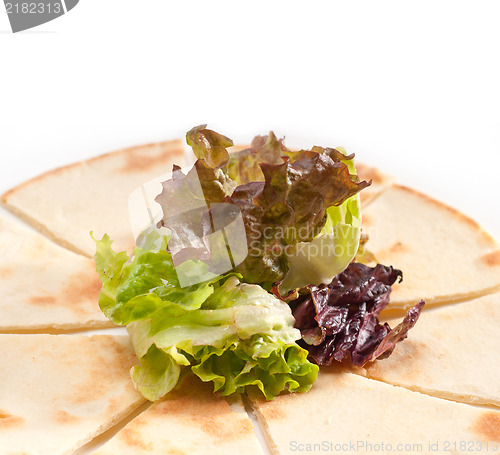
[[369, 173], [387, 255], [42, 300], [366, 220], [194, 403], [488, 426], [138, 161], [83, 286], [111, 366], [8, 421], [63, 417], [492, 259], [398, 247], [174, 148], [79, 294], [6, 272], [365, 197], [132, 438], [272, 410]]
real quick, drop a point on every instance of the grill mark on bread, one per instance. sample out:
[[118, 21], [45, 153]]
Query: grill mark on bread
[[82, 287], [272, 410], [488, 426], [195, 403], [79, 293], [6, 272], [8, 420], [366, 220], [397, 247], [138, 161], [133, 439], [42, 300], [492, 259], [369, 173], [113, 364], [173, 148], [63, 417]]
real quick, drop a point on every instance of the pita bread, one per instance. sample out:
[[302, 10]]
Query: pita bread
[[190, 420], [450, 353], [69, 202], [444, 255], [380, 182], [44, 286], [59, 391], [344, 413]]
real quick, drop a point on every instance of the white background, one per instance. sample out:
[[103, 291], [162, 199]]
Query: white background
[[411, 87]]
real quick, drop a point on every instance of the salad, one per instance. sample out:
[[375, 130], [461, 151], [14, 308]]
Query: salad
[[294, 291]]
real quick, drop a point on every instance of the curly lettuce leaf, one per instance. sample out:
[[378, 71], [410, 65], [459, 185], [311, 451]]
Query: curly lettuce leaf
[[209, 145], [339, 322], [233, 333], [272, 366], [300, 209], [244, 166], [188, 202], [290, 209], [329, 253], [135, 288]]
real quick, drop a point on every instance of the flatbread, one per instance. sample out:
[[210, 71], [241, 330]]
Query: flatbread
[[45, 286], [380, 182], [59, 391], [190, 420], [444, 255], [345, 413], [450, 353], [69, 202]]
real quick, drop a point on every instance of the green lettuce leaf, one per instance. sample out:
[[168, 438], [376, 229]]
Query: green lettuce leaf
[[232, 333], [272, 366]]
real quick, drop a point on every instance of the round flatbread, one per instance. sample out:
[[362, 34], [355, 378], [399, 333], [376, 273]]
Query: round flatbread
[[445, 257]]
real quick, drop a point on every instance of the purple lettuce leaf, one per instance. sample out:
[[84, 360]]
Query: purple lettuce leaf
[[339, 322], [282, 203], [186, 201], [289, 207]]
